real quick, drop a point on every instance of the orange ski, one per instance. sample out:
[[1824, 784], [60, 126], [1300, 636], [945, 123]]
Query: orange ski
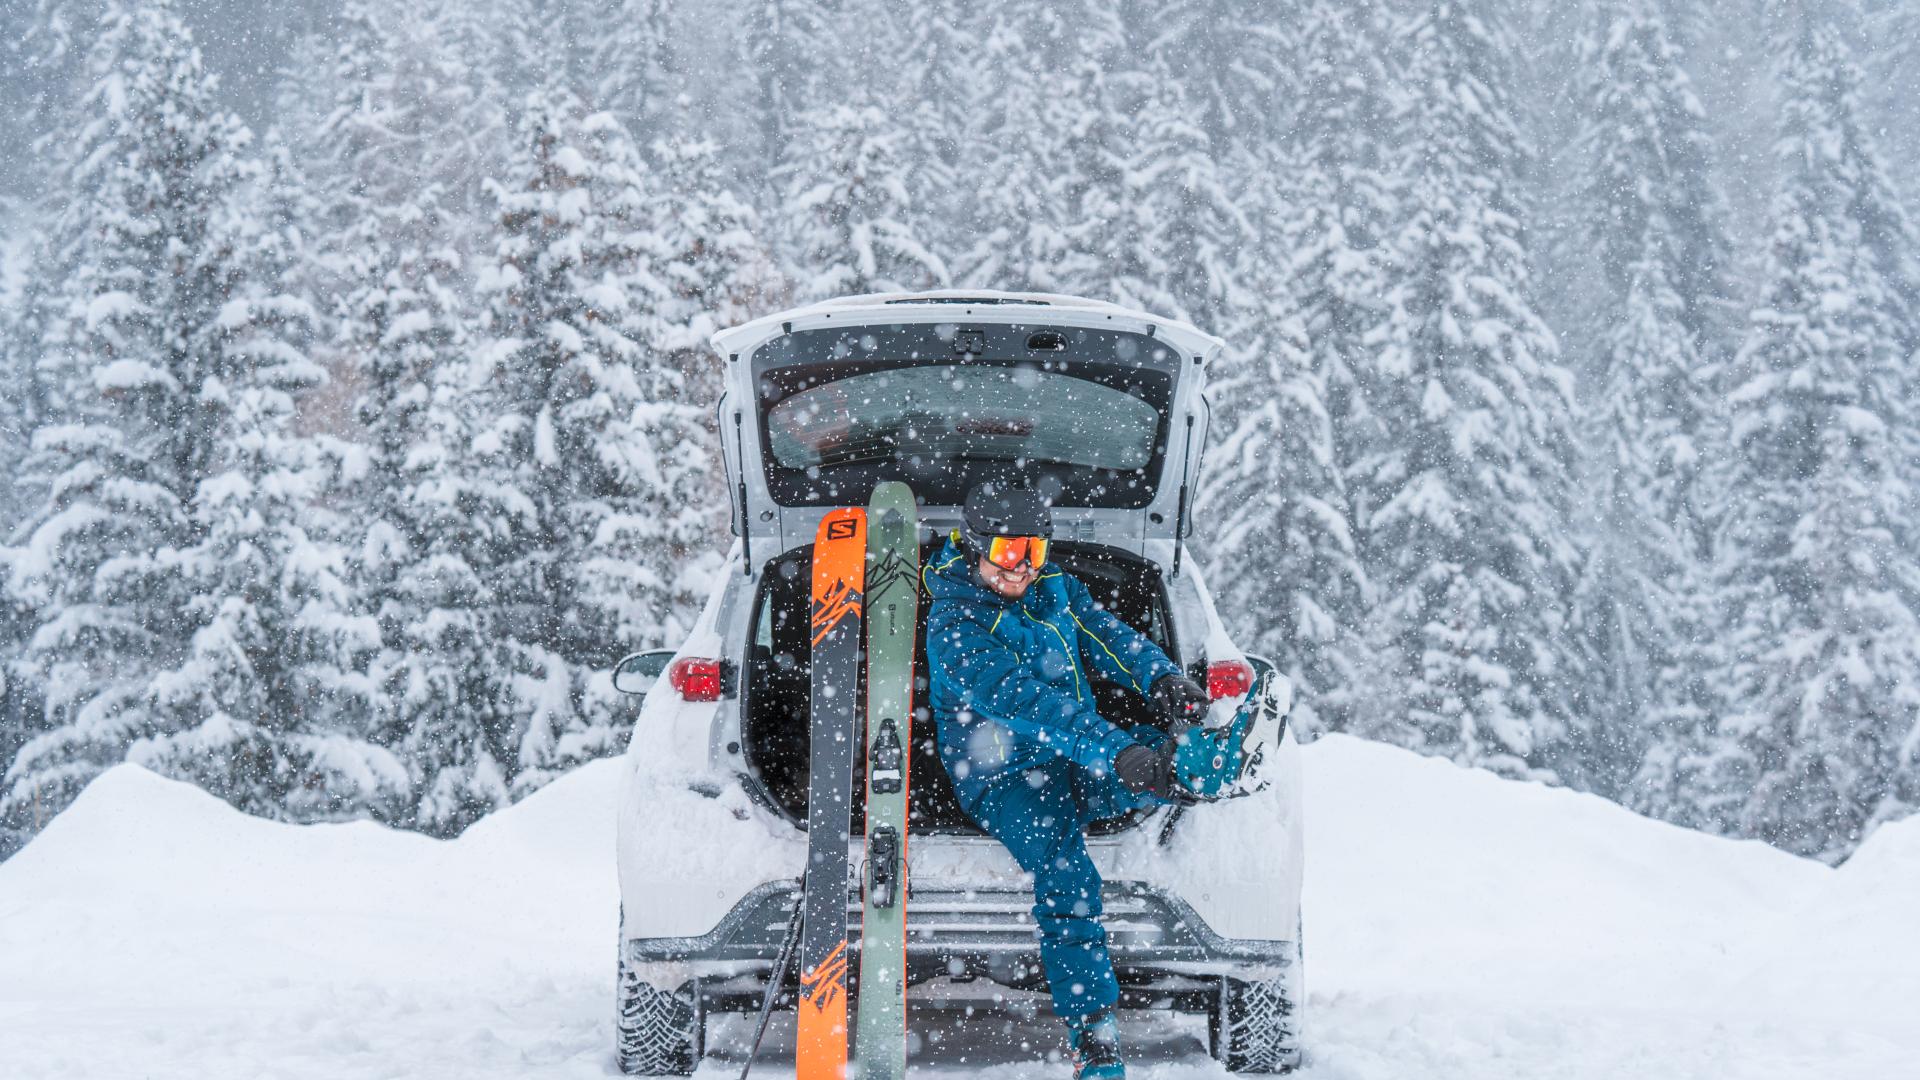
[[839, 580]]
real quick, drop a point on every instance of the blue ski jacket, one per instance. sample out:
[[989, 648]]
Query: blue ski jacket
[[1008, 686]]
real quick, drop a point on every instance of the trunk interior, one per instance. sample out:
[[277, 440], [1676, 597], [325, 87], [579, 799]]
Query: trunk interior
[[778, 686]]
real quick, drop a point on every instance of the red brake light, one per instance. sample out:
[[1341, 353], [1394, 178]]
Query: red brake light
[[1228, 678], [695, 678]]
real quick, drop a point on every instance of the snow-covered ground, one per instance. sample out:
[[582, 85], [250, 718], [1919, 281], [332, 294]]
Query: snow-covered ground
[[1458, 926]]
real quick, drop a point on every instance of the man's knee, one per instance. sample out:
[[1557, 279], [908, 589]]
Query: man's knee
[[1068, 886]]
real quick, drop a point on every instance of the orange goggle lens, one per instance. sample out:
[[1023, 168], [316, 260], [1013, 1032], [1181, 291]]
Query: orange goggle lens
[[1006, 552]]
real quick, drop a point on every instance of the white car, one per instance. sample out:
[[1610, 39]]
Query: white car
[[1100, 408]]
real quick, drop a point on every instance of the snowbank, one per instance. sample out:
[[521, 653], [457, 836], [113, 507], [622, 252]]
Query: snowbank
[[149, 870], [1517, 890], [1458, 925], [1853, 949]]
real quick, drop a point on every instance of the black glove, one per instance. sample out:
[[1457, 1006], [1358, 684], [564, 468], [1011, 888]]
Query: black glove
[[1176, 699], [1145, 770]]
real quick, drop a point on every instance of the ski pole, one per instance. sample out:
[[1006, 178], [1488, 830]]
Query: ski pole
[[778, 976]]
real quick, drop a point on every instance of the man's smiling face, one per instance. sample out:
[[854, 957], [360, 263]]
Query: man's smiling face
[[1012, 584]]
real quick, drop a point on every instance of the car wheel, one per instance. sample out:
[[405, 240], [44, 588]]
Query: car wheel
[[656, 1032], [1255, 1027]]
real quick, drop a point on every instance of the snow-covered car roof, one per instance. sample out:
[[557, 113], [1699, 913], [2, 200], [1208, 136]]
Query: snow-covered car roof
[[974, 305]]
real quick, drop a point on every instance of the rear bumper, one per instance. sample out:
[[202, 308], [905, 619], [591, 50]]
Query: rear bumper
[[1164, 955]]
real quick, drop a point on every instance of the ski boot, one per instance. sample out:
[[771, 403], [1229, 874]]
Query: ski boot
[[1094, 1047], [1226, 760]]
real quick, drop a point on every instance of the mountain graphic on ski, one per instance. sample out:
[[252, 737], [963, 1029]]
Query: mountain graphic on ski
[[892, 610], [839, 577]]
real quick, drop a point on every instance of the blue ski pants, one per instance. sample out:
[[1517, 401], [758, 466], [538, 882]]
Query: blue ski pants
[[1041, 815]]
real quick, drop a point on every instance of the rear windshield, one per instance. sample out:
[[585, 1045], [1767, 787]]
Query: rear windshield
[[1009, 413], [1079, 413]]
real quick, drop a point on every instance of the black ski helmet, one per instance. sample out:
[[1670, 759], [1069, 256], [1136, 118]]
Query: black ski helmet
[[994, 509]]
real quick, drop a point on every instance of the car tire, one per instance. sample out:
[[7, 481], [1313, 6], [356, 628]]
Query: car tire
[[656, 1032], [1255, 1025]]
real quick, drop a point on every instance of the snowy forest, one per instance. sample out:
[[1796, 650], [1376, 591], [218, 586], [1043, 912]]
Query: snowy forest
[[355, 393]]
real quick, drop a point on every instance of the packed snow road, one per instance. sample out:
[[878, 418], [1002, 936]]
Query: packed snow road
[[1458, 926]]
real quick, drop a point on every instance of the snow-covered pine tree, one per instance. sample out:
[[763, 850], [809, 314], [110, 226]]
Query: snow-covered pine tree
[[448, 649], [509, 45], [19, 697], [1183, 245], [387, 219], [1892, 31], [271, 707], [20, 721], [623, 57], [1339, 198], [847, 211], [44, 53], [1650, 180], [713, 260], [1819, 723], [1654, 224], [717, 272], [1464, 508], [132, 350], [1235, 60], [17, 238], [20, 317], [923, 60], [1087, 120], [1642, 606], [792, 47], [1293, 421], [389, 158], [1252, 80], [493, 66], [580, 442], [1010, 198], [1043, 165], [1887, 229], [1275, 513]]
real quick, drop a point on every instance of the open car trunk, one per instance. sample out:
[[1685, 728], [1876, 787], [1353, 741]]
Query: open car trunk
[[778, 686], [1098, 408]]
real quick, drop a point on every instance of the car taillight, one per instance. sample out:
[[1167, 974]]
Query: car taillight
[[1228, 678], [695, 678]]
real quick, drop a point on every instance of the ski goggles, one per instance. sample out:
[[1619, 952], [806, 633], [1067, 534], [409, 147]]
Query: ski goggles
[[1007, 552]]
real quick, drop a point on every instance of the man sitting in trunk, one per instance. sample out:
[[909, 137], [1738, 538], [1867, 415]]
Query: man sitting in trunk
[[1009, 639]]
